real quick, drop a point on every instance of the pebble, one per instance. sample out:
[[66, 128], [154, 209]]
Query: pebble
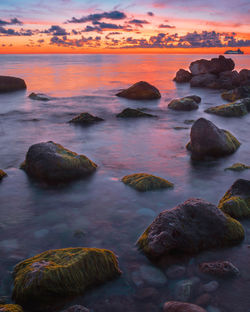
[[211, 286], [203, 300], [185, 288], [175, 271]]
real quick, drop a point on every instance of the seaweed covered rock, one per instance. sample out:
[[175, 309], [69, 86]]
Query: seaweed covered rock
[[133, 113], [2, 174], [10, 308], [176, 306], [236, 201], [59, 273], [220, 269], [235, 109], [187, 103], [190, 227], [236, 94], [10, 84], [52, 163], [40, 97], [238, 167], [140, 91], [85, 119], [208, 141], [146, 182], [183, 76]]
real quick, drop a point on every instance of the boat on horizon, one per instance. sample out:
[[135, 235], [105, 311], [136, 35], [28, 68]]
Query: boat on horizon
[[234, 52]]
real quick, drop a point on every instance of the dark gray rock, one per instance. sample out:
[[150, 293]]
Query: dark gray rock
[[133, 113], [205, 81], [187, 103], [140, 91], [40, 97], [85, 119], [183, 76], [10, 84]]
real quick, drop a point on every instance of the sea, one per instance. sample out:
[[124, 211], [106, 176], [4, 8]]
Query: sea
[[101, 211]]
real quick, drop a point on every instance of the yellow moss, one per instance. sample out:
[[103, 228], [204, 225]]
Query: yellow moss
[[232, 142], [235, 109], [10, 308], [238, 167], [235, 206], [142, 242], [62, 272], [234, 231], [146, 182], [2, 174]]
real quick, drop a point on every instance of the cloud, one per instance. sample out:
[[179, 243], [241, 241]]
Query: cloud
[[138, 22], [150, 14], [82, 42], [13, 32], [166, 26], [56, 30], [113, 15], [13, 21]]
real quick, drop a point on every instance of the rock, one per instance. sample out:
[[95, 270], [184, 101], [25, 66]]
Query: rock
[[212, 309], [10, 308], [176, 271], [236, 94], [189, 121], [236, 201], [140, 91], [52, 163], [180, 128], [214, 66], [235, 109], [40, 97], [10, 84], [146, 293], [183, 76], [205, 81], [152, 275], [4, 299], [62, 273], [133, 113], [146, 182], [184, 289], [174, 306], [203, 300], [76, 308], [238, 167], [229, 80], [246, 102], [244, 77], [187, 103], [210, 287], [190, 227], [209, 141], [85, 119], [2, 174], [220, 269]]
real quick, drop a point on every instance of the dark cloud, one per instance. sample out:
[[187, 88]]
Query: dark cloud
[[166, 26], [12, 32], [138, 22], [200, 40], [64, 41], [113, 15], [56, 30], [150, 14], [13, 21]]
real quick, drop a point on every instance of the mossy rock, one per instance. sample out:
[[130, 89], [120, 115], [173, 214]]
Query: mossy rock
[[146, 182], [85, 119], [53, 163], [2, 174], [185, 104], [238, 167], [235, 109], [10, 308], [133, 113], [236, 94], [62, 273]]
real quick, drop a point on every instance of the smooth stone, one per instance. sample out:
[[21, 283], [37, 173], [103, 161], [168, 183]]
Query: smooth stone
[[175, 271], [184, 289], [174, 306], [210, 287], [10, 84], [203, 300], [153, 275]]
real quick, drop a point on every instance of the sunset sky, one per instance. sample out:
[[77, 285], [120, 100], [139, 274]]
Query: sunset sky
[[116, 26]]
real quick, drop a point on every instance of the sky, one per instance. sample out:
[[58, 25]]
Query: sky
[[118, 26]]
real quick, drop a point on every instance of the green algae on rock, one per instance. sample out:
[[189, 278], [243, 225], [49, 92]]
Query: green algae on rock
[[10, 308], [146, 182], [187, 103], [53, 163], [236, 94], [62, 273], [190, 227], [85, 119], [238, 167], [236, 201], [2, 174], [235, 109], [133, 113]]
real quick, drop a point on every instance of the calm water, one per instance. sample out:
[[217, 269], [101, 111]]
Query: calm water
[[109, 214]]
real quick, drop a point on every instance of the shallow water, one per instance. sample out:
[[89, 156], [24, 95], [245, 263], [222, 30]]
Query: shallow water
[[35, 217]]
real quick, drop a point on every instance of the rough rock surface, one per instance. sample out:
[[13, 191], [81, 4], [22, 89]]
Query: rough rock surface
[[187, 103], [52, 163], [235, 109], [10, 84], [245, 77], [2, 174], [205, 81], [209, 141], [190, 227], [236, 94], [140, 91], [214, 66], [133, 113], [85, 119], [183, 76], [175, 306], [220, 269]]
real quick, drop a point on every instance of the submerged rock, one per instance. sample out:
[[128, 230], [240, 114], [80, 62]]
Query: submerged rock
[[40, 97], [140, 91], [133, 113], [10, 308], [52, 163], [62, 273], [220, 269], [236, 94], [236, 201], [235, 109], [176, 271], [2, 174], [85, 119], [175, 306], [10, 84], [187, 103], [238, 167], [184, 289], [210, 286], [190, 227], [146, 182], [76, 308], [183, 76], [209, 141]]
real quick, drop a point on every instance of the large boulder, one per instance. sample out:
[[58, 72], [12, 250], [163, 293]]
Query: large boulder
[[235, 109], [236, 94], [85, 119], [208, 141], [10, 84], [187, 103], [205, 81], [10, 308], [133, 113], [190, 227], [183, 76], [236, 201], [244, 77], [214, 66], [229, 79], [62, 273], [146, 182], [140, 91], [175, 306], [52, 163]]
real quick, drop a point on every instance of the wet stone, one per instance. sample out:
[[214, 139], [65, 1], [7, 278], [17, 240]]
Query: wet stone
[[211, 286], [175, 271]]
